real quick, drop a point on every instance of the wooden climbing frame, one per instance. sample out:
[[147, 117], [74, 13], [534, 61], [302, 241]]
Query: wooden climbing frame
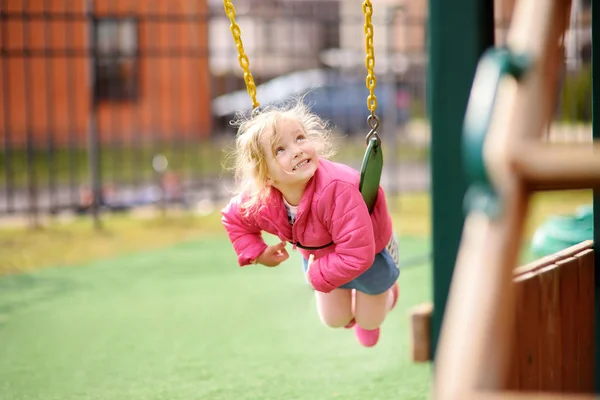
[[478, 332]]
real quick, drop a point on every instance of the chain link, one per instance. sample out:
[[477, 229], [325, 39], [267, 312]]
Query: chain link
[[242, 57], [371, 81]]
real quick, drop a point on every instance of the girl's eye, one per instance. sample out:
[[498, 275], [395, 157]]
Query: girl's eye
[[301, 138], [279, 150]]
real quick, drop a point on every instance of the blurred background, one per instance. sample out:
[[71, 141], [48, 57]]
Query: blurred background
[[125, 104]]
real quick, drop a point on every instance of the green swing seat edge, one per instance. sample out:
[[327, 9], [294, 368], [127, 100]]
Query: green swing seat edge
[[370, 172]]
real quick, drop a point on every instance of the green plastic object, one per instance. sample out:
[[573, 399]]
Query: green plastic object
[[562, 231], [494, 64], [370, 172]]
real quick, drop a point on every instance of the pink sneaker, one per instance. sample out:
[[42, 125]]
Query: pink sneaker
[[366, 337], [370, 337]]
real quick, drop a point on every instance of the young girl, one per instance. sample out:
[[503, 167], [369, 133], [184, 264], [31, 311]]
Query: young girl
[[289, 188]]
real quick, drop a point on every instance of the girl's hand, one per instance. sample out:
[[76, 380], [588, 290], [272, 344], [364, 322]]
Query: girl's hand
[[273, 255]]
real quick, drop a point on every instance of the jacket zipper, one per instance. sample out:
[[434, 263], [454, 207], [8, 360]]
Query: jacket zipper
[[294, 236]]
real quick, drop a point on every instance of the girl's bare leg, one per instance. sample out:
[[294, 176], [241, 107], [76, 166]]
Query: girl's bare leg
[[370, 310], [335, 307]]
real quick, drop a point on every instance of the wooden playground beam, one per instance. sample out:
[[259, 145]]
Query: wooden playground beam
[[553, 258], [546, 166]]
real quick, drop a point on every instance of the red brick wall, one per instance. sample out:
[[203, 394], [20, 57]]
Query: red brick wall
[[174, 93]]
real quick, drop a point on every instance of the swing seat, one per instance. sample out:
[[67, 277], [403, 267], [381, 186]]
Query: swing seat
[[370, 172]]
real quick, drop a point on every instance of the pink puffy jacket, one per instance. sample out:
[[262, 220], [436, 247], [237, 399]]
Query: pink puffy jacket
[[332, 211]]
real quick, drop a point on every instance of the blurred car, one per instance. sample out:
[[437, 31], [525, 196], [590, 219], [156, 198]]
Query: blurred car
[[338, 98]]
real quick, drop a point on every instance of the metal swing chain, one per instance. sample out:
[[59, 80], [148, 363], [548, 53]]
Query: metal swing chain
[[242, 57], [371, 80]]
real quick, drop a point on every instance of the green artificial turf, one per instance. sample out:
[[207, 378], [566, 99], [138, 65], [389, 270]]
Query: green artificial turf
[[187, 323]]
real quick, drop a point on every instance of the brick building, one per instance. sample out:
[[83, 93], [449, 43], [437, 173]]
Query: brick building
[[149, 75]]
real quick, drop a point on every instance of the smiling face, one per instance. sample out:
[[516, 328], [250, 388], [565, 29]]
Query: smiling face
[[291, 157]]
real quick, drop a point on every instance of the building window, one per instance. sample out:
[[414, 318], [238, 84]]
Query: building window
[[116, 60]]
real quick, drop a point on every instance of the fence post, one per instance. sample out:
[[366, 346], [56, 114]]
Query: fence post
[[93, 145]]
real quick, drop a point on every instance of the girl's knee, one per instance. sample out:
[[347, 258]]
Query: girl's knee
[[336, 321], [335, 308]]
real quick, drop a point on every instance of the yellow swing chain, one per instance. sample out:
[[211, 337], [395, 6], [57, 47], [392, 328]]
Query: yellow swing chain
[[371, 81], [236, 32]]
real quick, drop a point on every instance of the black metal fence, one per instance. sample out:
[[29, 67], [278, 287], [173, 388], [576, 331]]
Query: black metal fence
[[107, 105], [112, 105], [92, 109]]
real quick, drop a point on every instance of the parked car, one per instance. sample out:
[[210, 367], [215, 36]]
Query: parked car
[[338, 98]]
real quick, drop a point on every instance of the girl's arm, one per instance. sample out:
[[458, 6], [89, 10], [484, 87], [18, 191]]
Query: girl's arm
[[347, 218], [244, 233]]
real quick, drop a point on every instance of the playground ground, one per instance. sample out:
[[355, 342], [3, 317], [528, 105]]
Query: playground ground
[[156, 308]]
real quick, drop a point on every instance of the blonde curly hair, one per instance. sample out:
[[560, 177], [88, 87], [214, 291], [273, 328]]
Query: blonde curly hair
[[248, 159]]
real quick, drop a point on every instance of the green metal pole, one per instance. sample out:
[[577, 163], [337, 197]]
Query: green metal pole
[[596, 135], [459, 31]]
